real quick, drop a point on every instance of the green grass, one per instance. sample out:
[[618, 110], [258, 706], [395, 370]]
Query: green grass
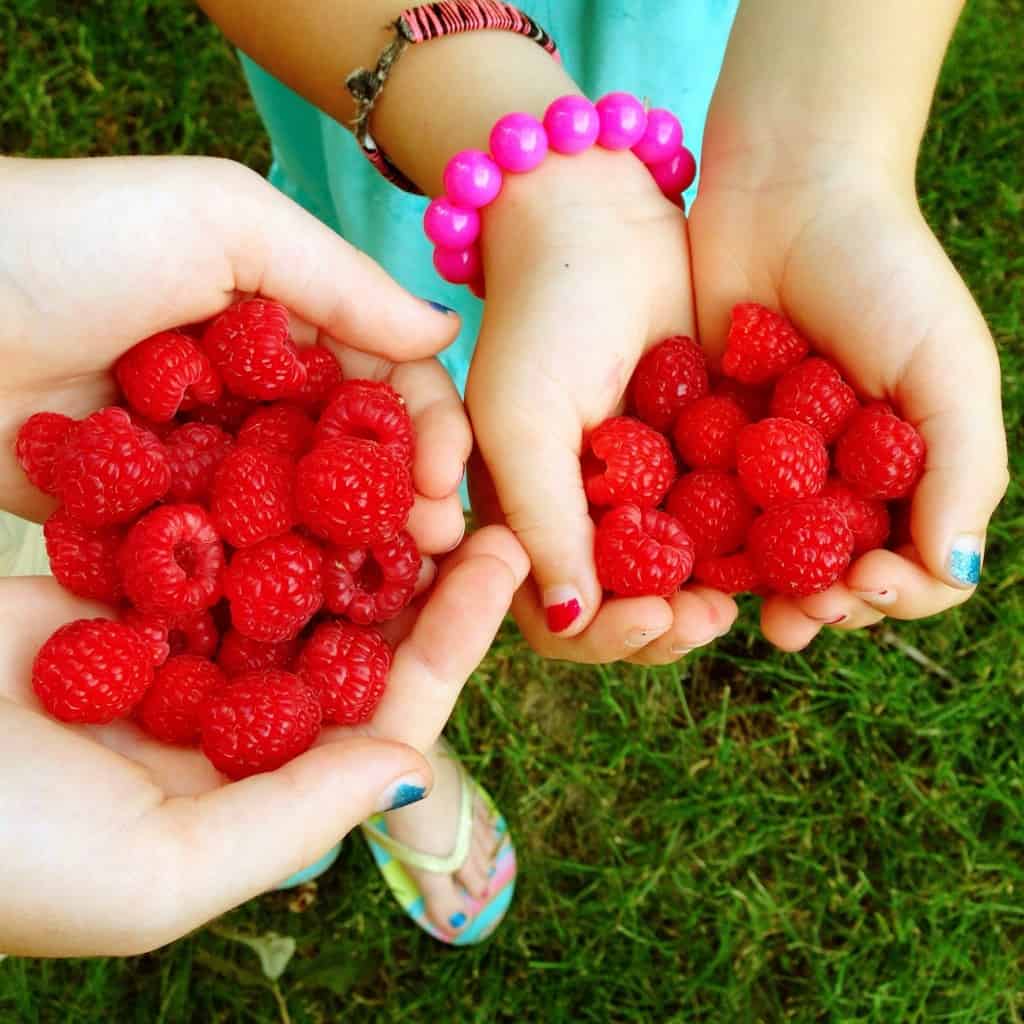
[[748, 837]]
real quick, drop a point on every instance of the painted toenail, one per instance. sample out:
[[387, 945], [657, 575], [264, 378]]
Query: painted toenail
[[457, 920]]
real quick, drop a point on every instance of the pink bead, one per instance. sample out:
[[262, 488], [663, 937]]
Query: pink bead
[[459, 266], [676, 174], [623, 121], [450, 226], [662, 137], [472, 179], [572, 124], [518, 143]]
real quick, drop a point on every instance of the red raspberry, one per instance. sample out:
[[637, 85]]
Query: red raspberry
[[252, 496], [801, 548], [170, 709], [239, 654], [374, 584], [347, 667], [258, 722], [353, 492], [161, 431], [280, 428], [781, 460], [91, 670], [193, 634], [815, 393], [165, 373], [642, 552], [671, 375], [371, 410], [194, 452], [761, 345], [228, 413], [84, 561], [754, 400], [731, 574], [172, 561], [275, 588], [250, 347], [153, 629], [323, 375], [110, 470], [880, 455], [40, 441], [627, 461], [867, 518], [713, 509], [706, 431]]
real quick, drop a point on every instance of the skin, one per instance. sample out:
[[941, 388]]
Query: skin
[[102, 821]]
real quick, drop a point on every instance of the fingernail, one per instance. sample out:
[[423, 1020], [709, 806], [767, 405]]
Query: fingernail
[[438, 307], [457, 920], [404, 791], [492, 872], [642, 637], [836, 620], [965, 559], [680, 651], [562, 605], [878, 597], [462, 537]]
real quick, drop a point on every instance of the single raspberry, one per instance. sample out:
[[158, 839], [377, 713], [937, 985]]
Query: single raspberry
[[347, 667], [781, 460], [815, 393], [193, 634], [371, 410], [258, 722], [194, 452], [761, 345], [229, 412], [880, 455], [801, 548], [84, 561], [754, 399], [867, 518], [353, 492], [252, 496], [281, 428], [238, 654], [40, 441], [170, 709], [250, 347], [91, 670], [165, 373], [706, 432], [627, 461], [731, 574], [642, 552], [110, 470], [172, 561], [713, 510], [153, 628], [323, 376], [275, 588], [671, 375], [374, 584]]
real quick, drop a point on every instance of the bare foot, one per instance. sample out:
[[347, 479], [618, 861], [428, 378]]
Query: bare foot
[[431, 826]]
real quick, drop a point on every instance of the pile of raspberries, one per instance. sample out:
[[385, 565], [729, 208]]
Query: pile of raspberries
[[243, 510], [785, 477]]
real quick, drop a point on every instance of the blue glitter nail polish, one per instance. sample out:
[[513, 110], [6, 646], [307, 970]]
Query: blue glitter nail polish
[[437, 306], [457, 920], [965, 560], [407, 794]]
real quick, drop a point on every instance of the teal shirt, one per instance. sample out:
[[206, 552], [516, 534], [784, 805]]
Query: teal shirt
[[668, 52]]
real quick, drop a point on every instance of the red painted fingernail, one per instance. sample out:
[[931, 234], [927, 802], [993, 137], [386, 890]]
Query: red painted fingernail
[[562, 606], [836, 621]]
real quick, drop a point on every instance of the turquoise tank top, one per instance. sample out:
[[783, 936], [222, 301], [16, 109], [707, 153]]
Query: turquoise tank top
[[670, 53]]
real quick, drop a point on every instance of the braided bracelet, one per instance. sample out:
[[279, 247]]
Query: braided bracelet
[[519, 143]]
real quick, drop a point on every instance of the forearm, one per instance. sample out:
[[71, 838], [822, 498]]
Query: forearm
[[440, 97], [799, 72]]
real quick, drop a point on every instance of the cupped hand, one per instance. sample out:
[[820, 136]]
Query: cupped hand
[[840, 246], [587, 267]]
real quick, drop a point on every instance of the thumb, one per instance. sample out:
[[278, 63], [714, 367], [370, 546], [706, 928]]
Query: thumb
[[232, 843]]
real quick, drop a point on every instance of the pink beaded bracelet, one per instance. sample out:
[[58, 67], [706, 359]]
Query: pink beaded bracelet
[[519, 143]]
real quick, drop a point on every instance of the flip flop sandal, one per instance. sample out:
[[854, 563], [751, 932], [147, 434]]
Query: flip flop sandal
[[392, 857]]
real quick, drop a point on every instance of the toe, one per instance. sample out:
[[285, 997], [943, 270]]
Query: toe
[[447, 905], [473, 874]]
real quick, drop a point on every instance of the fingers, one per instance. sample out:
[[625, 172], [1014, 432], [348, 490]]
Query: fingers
[[897, 584], [785, 626], [437, 525], [700, 615]]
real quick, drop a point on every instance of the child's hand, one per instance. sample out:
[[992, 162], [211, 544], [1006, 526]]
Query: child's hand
[[845, 253], [113, 843], [98, 254], [586, 268]]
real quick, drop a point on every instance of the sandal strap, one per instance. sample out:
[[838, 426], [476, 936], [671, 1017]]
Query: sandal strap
[[426, 861]]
